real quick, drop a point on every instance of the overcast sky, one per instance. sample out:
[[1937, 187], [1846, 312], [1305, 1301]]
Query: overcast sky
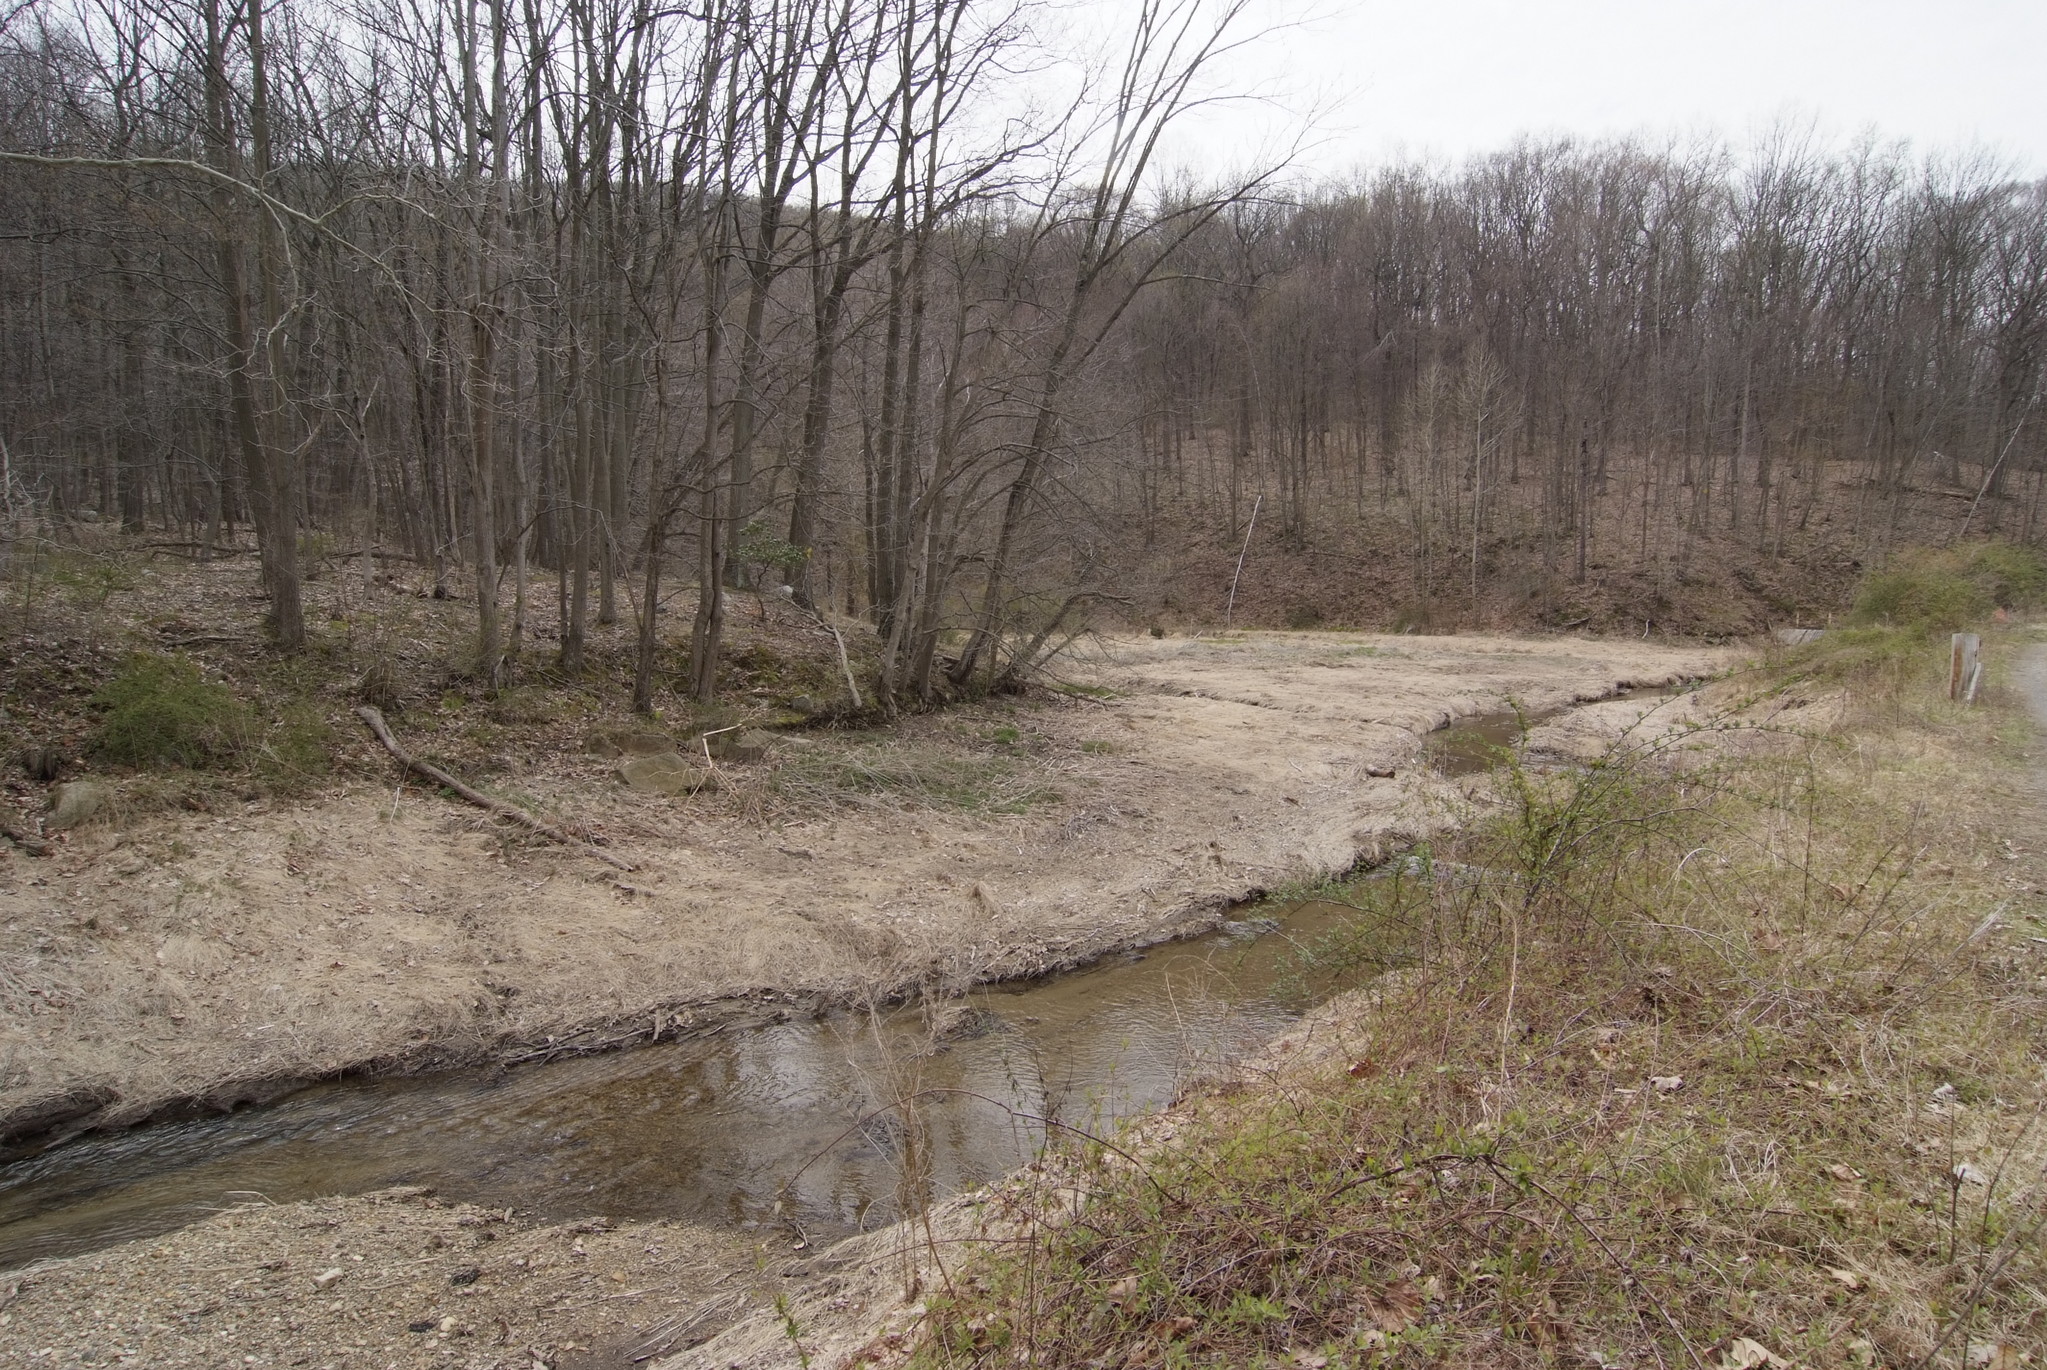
[[1452, 77]]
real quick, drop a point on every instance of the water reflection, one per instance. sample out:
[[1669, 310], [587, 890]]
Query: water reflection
[[718, 1129]]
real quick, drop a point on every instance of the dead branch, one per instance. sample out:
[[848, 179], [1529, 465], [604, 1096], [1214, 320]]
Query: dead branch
[[373, 719]]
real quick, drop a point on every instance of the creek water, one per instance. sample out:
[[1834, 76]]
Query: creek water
[[786, 1123], [795, 1123]]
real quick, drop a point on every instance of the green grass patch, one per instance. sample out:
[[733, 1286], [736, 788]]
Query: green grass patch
[[160, 711]]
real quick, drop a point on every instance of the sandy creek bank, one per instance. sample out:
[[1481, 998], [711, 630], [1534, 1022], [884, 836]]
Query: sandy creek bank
[[184, 958], [172, 956]]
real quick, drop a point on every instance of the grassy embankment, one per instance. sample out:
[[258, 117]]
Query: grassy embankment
[[1725, 1052]]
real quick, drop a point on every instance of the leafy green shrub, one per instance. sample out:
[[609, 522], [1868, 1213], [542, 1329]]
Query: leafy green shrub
[[2015, 577], [1939, 592], [1925, 598], [159, 711], [758, 546]]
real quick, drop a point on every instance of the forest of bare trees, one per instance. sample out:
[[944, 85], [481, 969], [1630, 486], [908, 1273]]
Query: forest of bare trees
[[581, 303]]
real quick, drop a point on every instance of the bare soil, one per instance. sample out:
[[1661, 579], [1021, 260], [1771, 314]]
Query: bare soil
[[167, 957], [397, 1278]]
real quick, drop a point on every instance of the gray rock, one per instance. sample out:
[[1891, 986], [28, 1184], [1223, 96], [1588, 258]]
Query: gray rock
[[751, 745], [74, 801], [614, 742], [661, 773]]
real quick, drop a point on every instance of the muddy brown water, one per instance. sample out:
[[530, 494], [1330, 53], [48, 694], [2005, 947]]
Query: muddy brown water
[[793, 1124]]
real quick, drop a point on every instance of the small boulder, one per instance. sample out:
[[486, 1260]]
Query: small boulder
[[750, 745], [616, 742], [74, 801], [661, 773]]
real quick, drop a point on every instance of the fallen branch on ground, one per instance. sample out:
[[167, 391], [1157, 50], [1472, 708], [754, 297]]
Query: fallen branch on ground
[[373, 719]]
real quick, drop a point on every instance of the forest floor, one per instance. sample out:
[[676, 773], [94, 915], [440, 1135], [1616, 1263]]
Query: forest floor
[[215, 939], [1352, 564]]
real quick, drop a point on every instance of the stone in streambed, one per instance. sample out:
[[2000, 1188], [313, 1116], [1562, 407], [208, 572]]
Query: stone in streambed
[[660, 773]]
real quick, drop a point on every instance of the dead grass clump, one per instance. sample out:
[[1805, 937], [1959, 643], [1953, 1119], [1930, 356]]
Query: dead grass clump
[[1709, 1065], [896, 773]]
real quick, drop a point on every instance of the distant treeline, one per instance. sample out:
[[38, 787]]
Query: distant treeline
[[576, 294], [1481, 352]]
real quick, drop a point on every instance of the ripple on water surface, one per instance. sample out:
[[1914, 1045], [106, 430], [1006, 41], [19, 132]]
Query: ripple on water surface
[[715, 1128]]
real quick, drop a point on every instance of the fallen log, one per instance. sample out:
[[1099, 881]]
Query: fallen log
[[373, 719]]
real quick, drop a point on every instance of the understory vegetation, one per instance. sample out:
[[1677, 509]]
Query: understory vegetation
[[1723, 1051]]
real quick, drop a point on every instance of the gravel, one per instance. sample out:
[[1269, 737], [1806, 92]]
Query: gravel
[[397, 1278]]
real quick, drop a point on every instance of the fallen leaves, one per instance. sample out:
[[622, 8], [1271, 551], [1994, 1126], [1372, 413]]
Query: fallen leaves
[[1171, 1329], [1746, 1353], [1996, 1355], [1394, 1308]]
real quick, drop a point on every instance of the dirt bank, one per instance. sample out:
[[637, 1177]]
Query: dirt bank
[[192, 957]]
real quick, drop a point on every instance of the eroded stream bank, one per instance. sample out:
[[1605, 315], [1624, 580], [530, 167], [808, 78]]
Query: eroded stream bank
[[791, 1123], [164, 956], [799, 1124]]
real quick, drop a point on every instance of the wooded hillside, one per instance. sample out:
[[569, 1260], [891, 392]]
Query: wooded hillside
[[581, 302]]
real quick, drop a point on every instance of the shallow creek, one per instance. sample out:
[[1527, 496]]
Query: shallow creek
[[789, 1124]]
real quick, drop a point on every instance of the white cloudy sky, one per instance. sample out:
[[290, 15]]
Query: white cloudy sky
[[1451, 77]]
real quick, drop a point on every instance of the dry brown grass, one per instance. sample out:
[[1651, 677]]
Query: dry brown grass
[[1719, 1060]]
